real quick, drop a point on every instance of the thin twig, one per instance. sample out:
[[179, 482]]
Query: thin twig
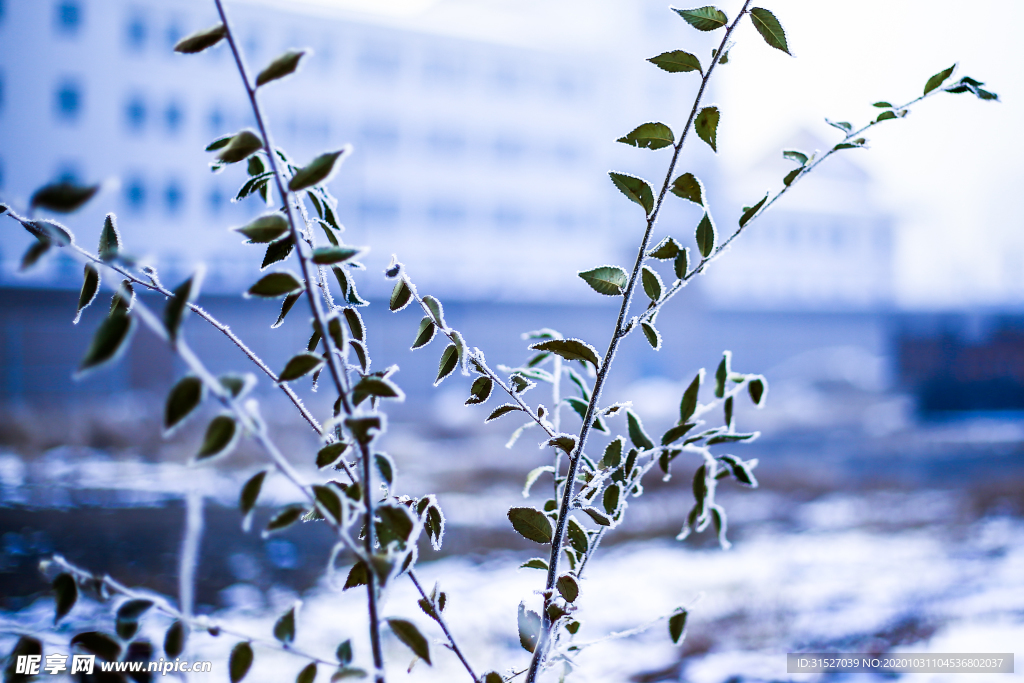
[[617, 335], [439, 618]]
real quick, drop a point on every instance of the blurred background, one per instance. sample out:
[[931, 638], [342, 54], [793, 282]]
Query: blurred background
[[883, 299]]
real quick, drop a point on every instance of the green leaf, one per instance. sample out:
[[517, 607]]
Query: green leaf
[[237, 385], [329, 502], [99, 644], [636, 189], [612, 457], [529, 628], [707, 236], [201, 40], [251, 492], [677, 61], [436, 311], [794, 155], [676, 433], [565, 442], [501, 410], [184, 398], [240, 661], [360, 350], [636, 432], [319, 171], [286, 306], [770, 29], [751, 211], [401, 295], [378, 387], [570, 349], [652, 283], [359, 575], [791, 176], [65, 595], [308, 674], [758, 390], [681, 263], [34, 253], [731, 438], [688, 187], [652, 334], [284, 629], [299, 365], [649, 136], [110, 239], [480, 391], [221, 435], [722, 374], [279, 68], [240, 147], [607, 280], [677, 625], [49, 231], [274, 285], [938, 79], [665, 250], [287, 516], [330, 255], [411, 637], [531, 524], [344, 653], [689, 403], [177, 307], [882, 105], [355, 325], [123, 299], [706, 18], [219, 143], [844, 126], [577, 538], [535, 563], [449, 361], [127, 620], [109, 341], [598, 516], [90, 286], [707, 126], [567, 587], [266, 228], [425, 333], [278, 251], [885, 116], [174, 639], [64, 197], [329, 454]]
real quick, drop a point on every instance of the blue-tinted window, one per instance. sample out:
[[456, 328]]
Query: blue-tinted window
[[446, 142], [174, 198], [446, 213], [173, 117], [135, 194], [378, 61], [508, 216], [379, 135], [136, 33], [378, 210], [135, 114], [3, 10], [444, 70], [215, 119], [68, 101], [216, 199], [67, 17], [507, 147]]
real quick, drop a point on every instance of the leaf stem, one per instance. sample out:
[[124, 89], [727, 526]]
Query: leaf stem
[[444, 626]]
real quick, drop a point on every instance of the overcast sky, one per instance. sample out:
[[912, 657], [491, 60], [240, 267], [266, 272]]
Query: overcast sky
[[950, 172]]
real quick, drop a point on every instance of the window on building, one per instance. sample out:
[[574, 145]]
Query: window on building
[[135, 194], [378, 62], [174, 198], [135, 114], [567, 155], [508, 217], [444, 69], [136, 33], [215, 119], [216, 199], [447, 143], [378, 211], [446, 214], [173, 118], [67, 17], [3, 10], [508, 147], [379, 136], [68, 101]]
